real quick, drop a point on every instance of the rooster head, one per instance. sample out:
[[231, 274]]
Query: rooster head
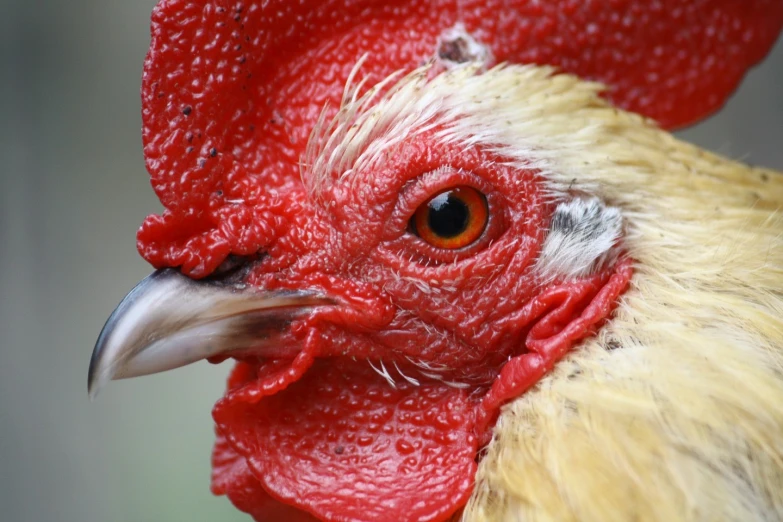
[[389, 230]]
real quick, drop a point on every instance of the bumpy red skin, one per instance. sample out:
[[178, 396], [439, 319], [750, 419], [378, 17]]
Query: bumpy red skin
[[325, 432], [231, 89], [231, 92]]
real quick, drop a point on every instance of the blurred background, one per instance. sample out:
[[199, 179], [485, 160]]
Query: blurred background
[[73, 192]]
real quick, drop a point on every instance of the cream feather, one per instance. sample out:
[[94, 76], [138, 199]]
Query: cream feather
[[674, 411]]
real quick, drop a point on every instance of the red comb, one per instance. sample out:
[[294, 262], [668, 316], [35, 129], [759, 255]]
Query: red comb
[[231, 90]]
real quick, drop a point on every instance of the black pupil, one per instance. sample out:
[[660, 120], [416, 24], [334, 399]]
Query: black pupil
[[448, 216]]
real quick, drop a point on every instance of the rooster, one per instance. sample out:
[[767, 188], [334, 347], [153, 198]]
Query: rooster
[[460, 277]]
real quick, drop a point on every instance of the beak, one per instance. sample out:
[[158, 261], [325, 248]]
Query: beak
[[169, 320]]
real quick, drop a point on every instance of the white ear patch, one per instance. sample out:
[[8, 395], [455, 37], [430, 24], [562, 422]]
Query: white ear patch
[[583, 237]]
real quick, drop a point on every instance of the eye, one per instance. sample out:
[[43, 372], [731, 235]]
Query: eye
[[451, 219]]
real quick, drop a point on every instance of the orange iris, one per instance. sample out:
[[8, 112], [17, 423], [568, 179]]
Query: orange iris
[[453, 218]]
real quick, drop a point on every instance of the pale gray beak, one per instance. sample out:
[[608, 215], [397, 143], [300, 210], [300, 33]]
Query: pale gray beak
[[169, 320]]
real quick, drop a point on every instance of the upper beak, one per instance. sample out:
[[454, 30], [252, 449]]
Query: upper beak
[[169, 320]]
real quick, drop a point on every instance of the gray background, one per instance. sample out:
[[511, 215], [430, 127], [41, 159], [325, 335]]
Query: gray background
[[74, 191]]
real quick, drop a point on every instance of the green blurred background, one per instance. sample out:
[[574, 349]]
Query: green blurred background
[[74, 190]]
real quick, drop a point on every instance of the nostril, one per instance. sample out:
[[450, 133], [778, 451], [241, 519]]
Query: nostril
[[235, 268]]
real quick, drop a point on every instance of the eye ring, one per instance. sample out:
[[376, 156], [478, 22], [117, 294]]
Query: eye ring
[[451, 219]]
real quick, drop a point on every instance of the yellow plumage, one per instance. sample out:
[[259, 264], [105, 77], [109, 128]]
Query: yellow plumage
[[675, 410]]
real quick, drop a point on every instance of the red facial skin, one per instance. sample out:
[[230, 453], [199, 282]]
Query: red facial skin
[[231, 92], [324, 431]]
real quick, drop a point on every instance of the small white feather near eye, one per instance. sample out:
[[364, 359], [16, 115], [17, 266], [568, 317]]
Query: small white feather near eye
[[583, 238]]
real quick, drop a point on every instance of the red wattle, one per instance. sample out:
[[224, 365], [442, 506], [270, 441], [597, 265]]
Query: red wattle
[[232, 477], [342, 444]]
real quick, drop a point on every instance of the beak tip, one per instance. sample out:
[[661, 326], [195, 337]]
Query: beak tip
[[97, 373], [92, 387], [93, 383]]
